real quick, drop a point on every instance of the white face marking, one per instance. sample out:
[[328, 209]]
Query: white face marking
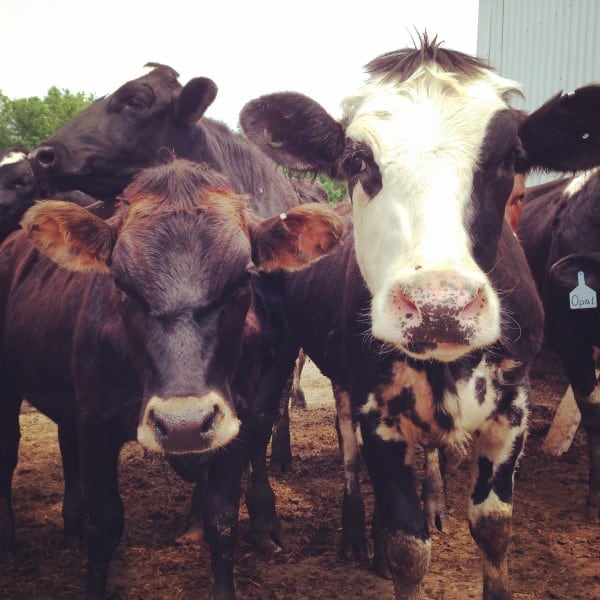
[[12, 157], [579, 181], [425, 135]]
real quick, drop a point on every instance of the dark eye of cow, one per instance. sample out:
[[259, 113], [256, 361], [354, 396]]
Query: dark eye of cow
[[136, 102], [354, 164], [130, 297], [230, 294]]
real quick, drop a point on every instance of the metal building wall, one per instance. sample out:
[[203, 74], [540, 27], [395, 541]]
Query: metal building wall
[[547, 45]]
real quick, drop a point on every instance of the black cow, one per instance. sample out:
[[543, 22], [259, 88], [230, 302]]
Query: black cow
[[19, 189], [560, 234], [428, 317], [104, 146], [144, 326]]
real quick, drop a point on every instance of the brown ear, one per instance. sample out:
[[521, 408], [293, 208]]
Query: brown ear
[[69, 235], [294, 240]]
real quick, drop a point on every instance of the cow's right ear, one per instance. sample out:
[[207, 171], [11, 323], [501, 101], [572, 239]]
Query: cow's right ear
[[294, 131], [69, 235], [195, 97]]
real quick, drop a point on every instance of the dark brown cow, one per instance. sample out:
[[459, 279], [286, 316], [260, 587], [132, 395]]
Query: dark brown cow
[[428, 318], [144, 326]]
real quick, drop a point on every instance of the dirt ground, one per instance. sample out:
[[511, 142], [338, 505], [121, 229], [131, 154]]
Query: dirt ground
[[554, 554]]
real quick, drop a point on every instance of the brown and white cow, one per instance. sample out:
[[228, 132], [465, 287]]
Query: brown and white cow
[[430, 318], [144, 327]]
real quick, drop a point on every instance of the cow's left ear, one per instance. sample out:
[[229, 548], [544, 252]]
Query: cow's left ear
[[294, 131], [195, 97], [69, 235], [294, 240], [564, 133]]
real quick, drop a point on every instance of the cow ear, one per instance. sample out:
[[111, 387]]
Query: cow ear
[[69, 235], [563, 274], [294, 240], [195, 97], [294, 131], [564, 133]]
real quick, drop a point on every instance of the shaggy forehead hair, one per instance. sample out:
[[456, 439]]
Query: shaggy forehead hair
[[458, 92]]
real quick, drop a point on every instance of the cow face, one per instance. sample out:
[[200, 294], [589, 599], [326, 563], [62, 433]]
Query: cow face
[[428, 148], [100, 149], [179, 255], [17, 188]]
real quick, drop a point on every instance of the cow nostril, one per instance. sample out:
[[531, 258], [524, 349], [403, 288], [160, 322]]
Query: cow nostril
[[474, 306], [209, 420], [44, 157], [158, 424]]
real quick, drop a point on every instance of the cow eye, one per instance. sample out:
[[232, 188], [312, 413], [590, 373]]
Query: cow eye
[[135, 102], [354, 164]]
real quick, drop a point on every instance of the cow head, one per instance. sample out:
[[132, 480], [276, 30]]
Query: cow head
[[18, 188], [428, 147], [100, 149], [180, 255]]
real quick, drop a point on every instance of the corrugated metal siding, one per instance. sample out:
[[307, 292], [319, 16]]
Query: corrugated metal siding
[[546, 45]]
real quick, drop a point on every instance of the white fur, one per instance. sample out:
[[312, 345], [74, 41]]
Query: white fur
[[12, 157], [425, 134], [578, 182]]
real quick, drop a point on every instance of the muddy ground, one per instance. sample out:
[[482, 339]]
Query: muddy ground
[[554, 554]]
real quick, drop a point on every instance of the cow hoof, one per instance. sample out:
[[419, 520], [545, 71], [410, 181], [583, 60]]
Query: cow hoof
[[592, 513], [355, 550], [381, 567], [281, 466], [193, 535], [268, 543], [438, 519], [72, 542]]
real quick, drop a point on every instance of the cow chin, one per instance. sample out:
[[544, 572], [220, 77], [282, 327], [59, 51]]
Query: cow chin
[[187, 424]]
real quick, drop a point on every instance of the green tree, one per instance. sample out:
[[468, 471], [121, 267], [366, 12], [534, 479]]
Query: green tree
[[29, 121]]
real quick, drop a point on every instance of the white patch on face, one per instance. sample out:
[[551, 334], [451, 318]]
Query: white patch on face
[[12, 157], [425, 135], [578, 182]]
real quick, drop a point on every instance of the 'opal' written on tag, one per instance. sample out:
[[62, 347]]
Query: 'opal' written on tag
[[582, 296]]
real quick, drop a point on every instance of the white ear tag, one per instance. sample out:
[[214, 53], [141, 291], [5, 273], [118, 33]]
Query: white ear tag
[[582, 296]]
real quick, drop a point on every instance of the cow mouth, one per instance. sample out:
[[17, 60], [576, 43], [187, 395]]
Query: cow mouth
[[442, 351]]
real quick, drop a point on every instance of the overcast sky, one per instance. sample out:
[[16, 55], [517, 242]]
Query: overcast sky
[[317, 47]]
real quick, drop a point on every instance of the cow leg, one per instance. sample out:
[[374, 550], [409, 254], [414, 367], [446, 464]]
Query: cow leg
[[580, 368], [265, 525], [10, 434], [73, 511], [193, 470], [220, 509], [99, 454], [404, 532], [434, 489], [281, 448], [496, 451], [297, 395], [354, 538], [590, 418]]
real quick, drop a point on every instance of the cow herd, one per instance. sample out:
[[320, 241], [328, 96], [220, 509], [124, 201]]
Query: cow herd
[[164, 290]]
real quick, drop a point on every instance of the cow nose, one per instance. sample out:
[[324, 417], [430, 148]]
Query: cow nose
[[431, 308], [187, 424], [43, 156]]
